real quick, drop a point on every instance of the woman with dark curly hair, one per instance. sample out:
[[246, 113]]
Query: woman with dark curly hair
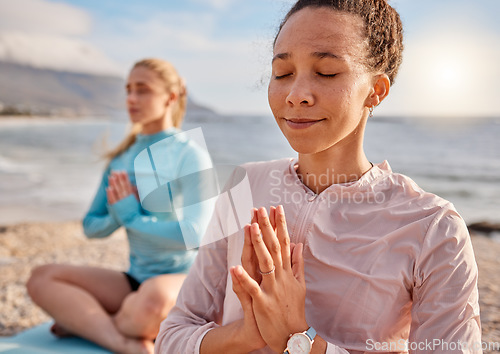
[[355, 257]]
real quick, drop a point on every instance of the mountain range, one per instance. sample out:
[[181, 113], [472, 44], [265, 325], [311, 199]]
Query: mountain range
[[34, 90]]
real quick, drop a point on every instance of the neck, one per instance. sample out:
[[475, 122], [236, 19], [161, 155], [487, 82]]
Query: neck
[[157, 125], [341, 163]]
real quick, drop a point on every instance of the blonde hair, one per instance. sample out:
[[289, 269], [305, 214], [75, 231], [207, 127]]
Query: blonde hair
[[173, 84]]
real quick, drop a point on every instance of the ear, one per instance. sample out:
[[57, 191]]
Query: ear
[[380, 90], [172, 97]]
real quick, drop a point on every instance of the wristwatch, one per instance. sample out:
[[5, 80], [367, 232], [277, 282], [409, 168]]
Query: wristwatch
[[300, 343]]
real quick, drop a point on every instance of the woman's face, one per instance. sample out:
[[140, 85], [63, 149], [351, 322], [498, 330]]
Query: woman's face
[[147, 98], [319, 90]]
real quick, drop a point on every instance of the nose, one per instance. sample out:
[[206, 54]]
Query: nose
[[300, 93], [131, 97]]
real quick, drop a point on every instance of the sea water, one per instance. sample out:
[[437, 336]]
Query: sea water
[[50, 168]]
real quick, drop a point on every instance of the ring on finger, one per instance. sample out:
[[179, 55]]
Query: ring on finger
[[267, 273]]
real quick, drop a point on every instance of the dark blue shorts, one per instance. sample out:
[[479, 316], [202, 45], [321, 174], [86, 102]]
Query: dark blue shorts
[[134, 283]]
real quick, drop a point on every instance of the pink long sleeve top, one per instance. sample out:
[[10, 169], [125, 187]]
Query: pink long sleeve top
[[388, 266]]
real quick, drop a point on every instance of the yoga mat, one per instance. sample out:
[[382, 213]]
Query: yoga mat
[[39, 340]]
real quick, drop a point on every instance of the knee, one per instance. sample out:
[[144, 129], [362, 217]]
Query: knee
[[156, 305], [39, 278], [153, 303]]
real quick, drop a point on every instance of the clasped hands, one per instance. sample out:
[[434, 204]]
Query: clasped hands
[[119, 187], [270, 283]]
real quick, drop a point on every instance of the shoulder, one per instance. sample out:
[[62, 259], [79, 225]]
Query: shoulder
[[402, 191], [187, 148], [442, 218], [401, 196]]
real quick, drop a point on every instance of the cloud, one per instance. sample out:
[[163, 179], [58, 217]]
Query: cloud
[[42, 16], [221, 70], [54, 52], [47, 34]]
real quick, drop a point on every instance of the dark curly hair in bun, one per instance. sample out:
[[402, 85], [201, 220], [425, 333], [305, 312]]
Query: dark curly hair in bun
[[383, 30]]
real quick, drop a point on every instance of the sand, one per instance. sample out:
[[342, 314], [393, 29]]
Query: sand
[[26, 245]]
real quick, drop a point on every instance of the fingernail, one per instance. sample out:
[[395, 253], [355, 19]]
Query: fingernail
[[281, 211], [237, 270], [263, 212]]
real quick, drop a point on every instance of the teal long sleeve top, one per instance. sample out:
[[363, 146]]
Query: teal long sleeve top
[[156, 239]]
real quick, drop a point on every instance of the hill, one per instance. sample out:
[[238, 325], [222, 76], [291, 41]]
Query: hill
[[33, 90]]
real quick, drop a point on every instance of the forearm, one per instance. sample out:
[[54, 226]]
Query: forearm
[[99, 226], [319, 345], [226, 339], [229, 339]]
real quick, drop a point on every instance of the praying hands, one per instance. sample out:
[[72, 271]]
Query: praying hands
[[270, 283]]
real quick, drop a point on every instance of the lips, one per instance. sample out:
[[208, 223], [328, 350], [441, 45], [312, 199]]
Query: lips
[[301, 123]]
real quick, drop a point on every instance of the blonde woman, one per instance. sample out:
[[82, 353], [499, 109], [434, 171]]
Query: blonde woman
[[122, 311]]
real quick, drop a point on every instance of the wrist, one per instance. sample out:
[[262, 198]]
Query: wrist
[[298, 327], [242, 339], [230, 338], [301, 342]]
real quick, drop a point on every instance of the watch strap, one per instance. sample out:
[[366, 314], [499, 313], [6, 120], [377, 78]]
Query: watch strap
[[311, 333]]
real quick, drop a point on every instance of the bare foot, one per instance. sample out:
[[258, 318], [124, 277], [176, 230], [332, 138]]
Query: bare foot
[[60, 332]]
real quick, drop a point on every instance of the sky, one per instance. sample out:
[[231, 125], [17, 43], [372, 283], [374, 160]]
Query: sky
[[223, 48]]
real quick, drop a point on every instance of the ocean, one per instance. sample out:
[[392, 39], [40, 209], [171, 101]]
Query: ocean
[[50, 168]]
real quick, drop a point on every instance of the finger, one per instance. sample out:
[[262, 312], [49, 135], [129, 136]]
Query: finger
[[115, 186], [272, 216], [124, 183], [248, 258], [254, 215], [265, 261], [243, 296], [298, 263], [270, 239], [247, 283], [112, 179], [114, 174], [110, 195], [116, 194], [283, 237]]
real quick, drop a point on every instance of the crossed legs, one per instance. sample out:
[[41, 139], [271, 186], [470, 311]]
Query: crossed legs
[[99, 305]]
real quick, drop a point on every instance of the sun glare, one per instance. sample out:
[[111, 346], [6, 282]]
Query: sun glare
[[447, 75]]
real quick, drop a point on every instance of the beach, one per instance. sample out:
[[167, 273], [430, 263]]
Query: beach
[[26, 245], [50, 169]]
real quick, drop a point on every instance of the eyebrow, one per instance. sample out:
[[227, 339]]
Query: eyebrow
[[282, 56], [330, 55], [140, 83], [319, 55]]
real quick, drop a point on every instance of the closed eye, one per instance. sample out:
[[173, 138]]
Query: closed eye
[[277, 77], [326, 75]]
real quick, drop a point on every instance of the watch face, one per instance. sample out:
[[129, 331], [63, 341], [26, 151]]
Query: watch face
[[299, 343]]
